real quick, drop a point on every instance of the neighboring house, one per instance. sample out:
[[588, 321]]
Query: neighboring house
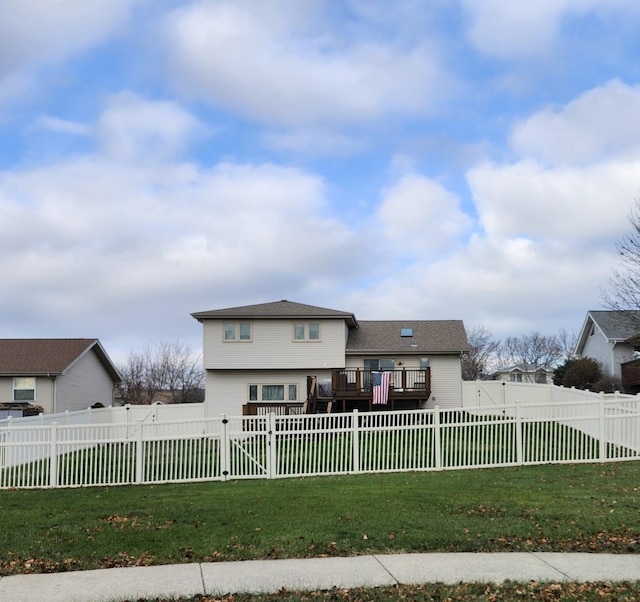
[[279, 353], [55, 374], [605, 338], [525, 374]]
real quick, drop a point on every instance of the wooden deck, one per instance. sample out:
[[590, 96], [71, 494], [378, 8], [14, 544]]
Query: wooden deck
[[352, 390], [631, 376]]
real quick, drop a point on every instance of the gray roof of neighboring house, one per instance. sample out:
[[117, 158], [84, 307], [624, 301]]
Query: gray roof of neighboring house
[[276, 309], [428, 336], [617, 325], [35, 357], [530, 368]]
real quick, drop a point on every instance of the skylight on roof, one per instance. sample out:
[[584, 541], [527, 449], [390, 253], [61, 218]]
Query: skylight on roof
[[406, 332]]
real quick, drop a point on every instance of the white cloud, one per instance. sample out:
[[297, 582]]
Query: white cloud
[[583, 205], [280, 63], [61, 126], [110, 238], [134, 128], [314, 142], [527, 29], [601, 123], [34, 33], [420, 216]]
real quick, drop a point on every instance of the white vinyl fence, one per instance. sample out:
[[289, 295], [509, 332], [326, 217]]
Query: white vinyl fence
[[272, 446]]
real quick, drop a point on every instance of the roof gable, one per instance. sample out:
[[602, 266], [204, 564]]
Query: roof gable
[[615, 326], [429, 336], [276, 310], [49, 356]]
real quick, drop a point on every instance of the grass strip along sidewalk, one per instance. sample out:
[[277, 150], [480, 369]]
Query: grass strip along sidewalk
[[582, 507]]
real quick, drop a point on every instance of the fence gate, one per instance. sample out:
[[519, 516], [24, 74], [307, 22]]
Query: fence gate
[[246, 447]]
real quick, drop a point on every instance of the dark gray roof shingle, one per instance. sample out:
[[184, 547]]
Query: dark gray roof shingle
[[617, 325], [429, 336], [276, 309]]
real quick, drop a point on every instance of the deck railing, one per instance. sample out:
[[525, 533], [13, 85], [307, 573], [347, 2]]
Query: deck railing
[[358, 382]]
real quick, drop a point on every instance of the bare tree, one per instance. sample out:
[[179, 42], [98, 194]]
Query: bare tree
[[482, 349], [568, 342], [624, 284], [168, 368], [531, 352]]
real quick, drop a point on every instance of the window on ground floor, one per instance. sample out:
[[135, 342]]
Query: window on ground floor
[[284, 392], [24, 388]]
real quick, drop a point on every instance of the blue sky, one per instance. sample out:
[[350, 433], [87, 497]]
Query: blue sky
[[436, 159]]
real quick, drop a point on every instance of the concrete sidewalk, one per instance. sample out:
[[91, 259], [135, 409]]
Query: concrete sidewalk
[[315, 573]]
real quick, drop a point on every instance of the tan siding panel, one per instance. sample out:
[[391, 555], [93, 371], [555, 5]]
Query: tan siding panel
[[272, 347], [227, 392], [446, 382]]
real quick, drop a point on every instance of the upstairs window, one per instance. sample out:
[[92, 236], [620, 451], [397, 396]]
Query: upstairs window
[[24, 388], [306, 331], [237, 331]]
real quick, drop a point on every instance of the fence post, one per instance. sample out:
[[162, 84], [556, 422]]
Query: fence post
[[225, 450], [519, 450], [355, 441], [602, 429], [53, 456], [139, 454], [272, 452], [437, 442]]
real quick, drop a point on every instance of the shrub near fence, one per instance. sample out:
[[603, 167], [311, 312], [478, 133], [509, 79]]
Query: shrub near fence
[[272, 446]]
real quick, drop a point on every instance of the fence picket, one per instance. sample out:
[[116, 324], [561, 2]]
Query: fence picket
[[50, 454]]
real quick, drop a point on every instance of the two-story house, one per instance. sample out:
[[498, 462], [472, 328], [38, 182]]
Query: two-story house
[[275, 354]]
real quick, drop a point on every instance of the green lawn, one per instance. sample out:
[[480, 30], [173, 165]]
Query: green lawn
[[571, 507]]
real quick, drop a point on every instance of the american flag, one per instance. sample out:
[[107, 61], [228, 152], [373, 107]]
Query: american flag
[[380, 382]]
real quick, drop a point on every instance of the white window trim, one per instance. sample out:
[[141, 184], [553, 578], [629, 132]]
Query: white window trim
[[305, 338], [35, 389], [286, 386], [236, 325]]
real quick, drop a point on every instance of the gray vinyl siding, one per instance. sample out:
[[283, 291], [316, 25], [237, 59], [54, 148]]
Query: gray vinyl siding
[[622, 353], [85, 383], [272, 347], [598, 348]]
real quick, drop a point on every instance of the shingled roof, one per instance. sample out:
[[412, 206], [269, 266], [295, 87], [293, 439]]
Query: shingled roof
[[276, 310], [35, 357], [427, 336]]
